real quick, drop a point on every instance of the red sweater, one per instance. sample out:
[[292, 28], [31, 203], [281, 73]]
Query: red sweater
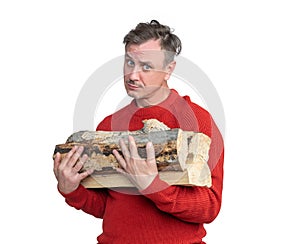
[[173, 215]]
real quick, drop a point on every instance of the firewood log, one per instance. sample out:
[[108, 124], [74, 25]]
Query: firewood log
[[181, 156]]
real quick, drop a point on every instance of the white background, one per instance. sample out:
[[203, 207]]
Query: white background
[[250, 51]]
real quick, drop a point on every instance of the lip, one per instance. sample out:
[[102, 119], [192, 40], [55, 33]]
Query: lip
[[131, 86]]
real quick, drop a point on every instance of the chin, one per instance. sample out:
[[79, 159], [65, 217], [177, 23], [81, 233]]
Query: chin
[[132, 94]]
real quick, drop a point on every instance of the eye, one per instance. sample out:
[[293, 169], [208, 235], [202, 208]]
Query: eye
[[147, 67], [130, 63]]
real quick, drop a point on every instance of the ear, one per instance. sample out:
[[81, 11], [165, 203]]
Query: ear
[[169, 70]]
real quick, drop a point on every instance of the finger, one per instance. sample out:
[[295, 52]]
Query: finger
[[72, 161], [120, 159], [68, 156], [150, 152], [133, 148], [120, 170], [85, 174], [57, 159], [124, 149], [78, 166]]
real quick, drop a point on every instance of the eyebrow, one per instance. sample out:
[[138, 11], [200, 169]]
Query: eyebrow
[[140, 61]]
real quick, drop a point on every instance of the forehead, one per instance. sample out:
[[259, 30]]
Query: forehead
[[147, 50], [148, 45]]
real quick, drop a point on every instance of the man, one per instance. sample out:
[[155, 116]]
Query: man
[[153, 212]]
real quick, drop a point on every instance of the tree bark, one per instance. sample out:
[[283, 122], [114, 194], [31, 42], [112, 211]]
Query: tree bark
[[181, 156]]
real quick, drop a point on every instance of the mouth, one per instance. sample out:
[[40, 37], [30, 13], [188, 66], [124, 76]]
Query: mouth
[[131, 85]]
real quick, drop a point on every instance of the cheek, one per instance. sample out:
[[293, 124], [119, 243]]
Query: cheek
[[153, 80], [125, 71]]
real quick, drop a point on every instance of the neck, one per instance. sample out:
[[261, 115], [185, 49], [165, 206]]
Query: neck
[[156, 98]]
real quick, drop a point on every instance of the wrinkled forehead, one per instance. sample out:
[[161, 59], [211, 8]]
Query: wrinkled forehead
[[156, 56], [147, 51]]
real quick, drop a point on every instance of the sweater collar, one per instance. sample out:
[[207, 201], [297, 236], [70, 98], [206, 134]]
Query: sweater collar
[[164, 104]]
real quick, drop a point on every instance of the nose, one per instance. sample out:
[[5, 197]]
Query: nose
[[133, 74]]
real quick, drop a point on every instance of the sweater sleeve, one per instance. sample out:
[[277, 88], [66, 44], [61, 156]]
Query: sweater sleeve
[[90, 201], [191, 204], [194, 204]]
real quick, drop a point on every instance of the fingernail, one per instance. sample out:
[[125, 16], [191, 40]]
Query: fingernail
[[85, 157]]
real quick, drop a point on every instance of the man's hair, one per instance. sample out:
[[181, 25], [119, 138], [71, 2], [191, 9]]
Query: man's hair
[[155, 31]]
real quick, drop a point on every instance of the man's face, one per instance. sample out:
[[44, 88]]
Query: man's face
[[145, 73]]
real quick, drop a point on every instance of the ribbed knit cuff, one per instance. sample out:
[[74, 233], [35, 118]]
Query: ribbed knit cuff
[[157, 185], [74, 196]]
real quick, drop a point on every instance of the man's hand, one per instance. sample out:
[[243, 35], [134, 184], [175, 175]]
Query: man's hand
[[66, 170], [140, 172]]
